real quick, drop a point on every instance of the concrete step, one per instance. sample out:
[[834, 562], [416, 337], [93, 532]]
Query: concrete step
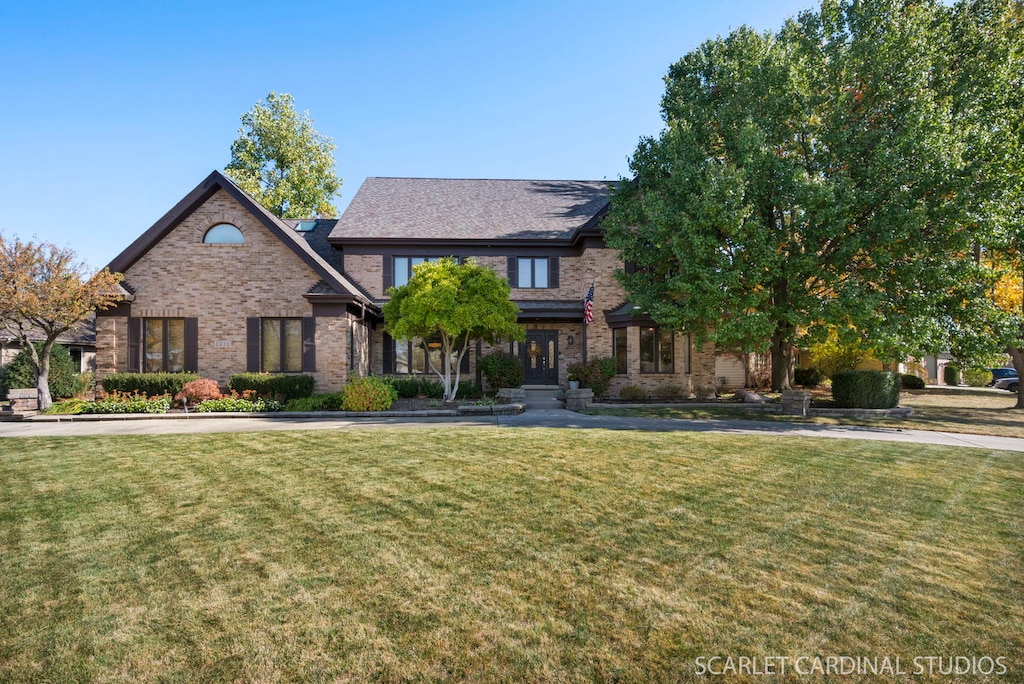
[[539, 397]]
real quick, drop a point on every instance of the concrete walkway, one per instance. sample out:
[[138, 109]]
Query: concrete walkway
[[533, 417]]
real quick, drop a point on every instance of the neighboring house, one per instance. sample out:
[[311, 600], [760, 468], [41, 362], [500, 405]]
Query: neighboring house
[[81, 344], [219, 285]]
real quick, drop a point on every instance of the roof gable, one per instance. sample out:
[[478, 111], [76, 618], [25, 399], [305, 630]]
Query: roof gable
[[295, 241], [444, 209]]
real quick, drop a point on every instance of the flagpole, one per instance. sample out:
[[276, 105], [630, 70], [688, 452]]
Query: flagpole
[[586, 323]]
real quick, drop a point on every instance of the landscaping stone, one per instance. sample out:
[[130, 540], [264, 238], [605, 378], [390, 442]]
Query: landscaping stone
[[579, 399], [511, 395], [796, 402]]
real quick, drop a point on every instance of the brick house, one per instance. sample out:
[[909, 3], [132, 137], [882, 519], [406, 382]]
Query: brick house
[[219, 285]]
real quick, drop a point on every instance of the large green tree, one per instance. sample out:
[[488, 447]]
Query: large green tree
[[985, 40], [453, 305], [801, 184], [283, 162], [44, 292]]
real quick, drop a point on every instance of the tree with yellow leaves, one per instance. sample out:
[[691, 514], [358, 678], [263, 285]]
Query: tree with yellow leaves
[[45, 290]]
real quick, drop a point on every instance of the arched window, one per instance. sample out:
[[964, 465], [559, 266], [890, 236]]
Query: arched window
[[224, 234]]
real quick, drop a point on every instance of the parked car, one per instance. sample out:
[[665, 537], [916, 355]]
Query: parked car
[[1000, 373], [1010, 384]]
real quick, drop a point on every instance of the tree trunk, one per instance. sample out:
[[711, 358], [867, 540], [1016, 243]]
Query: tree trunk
[[43, 378], [782, 358], [1018, 362]]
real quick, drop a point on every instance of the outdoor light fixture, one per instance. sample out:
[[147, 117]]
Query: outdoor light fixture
[[571, 339]]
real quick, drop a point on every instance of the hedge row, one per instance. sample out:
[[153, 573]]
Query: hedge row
[[866, 389], [149, 384], [282, 388]]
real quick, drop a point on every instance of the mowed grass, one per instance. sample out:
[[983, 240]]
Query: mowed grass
[[491, 555], [986, 412]]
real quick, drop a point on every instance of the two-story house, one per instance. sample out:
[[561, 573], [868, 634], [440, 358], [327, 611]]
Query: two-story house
[[219, 285]]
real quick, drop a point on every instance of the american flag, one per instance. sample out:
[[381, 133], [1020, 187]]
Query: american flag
[[588, 306]]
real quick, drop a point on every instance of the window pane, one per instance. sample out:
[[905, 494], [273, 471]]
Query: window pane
[[647, 356], [175, 345], [292, 345], [271, 345], [419, 358], [224, 234], [401, 356], [666, 352], [154, 356], [621, 360], [525, 273], [401, 271], [540, 272]]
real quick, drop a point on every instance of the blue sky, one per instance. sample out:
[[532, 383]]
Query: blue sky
[[112, 111]]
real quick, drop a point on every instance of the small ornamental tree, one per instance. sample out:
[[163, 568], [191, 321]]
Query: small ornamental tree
[[45, 292], [453, 304]]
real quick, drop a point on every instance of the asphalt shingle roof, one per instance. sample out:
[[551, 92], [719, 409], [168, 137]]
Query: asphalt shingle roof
[[471, 209]]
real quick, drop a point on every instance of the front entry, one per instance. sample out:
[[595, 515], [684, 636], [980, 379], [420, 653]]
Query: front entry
[[539, 355]]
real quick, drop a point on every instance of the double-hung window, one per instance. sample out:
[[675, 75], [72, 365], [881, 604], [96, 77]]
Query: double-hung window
[[281, 345], [657, 350], [533, 272], [163, 345], [403, 268]]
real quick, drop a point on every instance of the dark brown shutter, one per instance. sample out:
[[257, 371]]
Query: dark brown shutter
[[308, 344], [252, 345], [513, 271], [389, 354], [191, 345], [134, 345], [552, 271], [389, 272], [464, 366]]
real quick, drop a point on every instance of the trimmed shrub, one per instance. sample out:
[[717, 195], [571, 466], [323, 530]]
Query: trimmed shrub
[[247, 402], [469, 390], [911, 382], [808, 377], [501, 369], [412, 386], [368, 394], [866, 389], [597, 374], [632, 393], [277, 386], [198, 391], [149, 384], [118, 402], [977, 377], [951, 375], [317, 402], [19, 374], [670, 391]]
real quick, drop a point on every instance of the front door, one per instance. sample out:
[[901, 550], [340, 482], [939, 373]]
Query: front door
[[539, 355]]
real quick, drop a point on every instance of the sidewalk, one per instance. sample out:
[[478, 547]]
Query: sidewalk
[[531, 418]]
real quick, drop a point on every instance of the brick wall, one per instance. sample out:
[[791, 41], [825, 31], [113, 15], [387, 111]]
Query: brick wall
[[222, 285]]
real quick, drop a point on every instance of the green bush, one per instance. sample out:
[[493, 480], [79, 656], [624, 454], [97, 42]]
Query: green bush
[[117, 402], [951, 375], [596, 374], [19, 373], [670, 391], [317, 402], [368, 394], [911, 382], [632, 393], [149, 384], [412, 386], [866, 389], [501, 369], [977, 377], [237, 404], [279, 387], [808, 377], [468, 389]]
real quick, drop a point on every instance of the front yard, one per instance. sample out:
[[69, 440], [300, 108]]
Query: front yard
[[496, 555]]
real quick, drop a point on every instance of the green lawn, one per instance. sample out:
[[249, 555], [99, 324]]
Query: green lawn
[[965, 411], [491, 555]]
